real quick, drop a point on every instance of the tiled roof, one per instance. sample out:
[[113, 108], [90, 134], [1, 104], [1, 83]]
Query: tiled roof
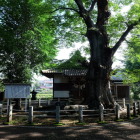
[[65, 72], [72, 72]]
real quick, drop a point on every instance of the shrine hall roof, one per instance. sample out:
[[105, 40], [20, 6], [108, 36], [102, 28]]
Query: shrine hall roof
[[72, 73]]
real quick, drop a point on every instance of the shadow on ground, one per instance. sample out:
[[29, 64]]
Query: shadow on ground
[[114, 131]]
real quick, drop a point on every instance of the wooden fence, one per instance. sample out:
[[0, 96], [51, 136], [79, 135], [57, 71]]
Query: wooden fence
[[101, 113]]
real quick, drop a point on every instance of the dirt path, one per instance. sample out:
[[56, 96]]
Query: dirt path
[[114, 131]]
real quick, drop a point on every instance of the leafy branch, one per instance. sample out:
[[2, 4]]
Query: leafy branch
[[123, 36], [92, 5], [65, 8]]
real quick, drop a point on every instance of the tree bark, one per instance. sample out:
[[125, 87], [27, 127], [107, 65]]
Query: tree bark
[[98, 76]]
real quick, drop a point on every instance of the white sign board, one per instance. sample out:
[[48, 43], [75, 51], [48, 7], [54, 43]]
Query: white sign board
[[61, 94], [17, 91]]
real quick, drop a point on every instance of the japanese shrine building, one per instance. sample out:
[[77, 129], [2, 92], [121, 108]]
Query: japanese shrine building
[[70, 83]]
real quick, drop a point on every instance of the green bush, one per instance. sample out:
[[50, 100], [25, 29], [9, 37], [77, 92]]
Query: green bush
[[44, 96]]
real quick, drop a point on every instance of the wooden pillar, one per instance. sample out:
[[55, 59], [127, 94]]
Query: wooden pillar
[[8, 103], [80, 114], [26, 105], [116, 91], [20, 104], [1, 105], [57, 114], [30, 119], [138, 103], [39, 102], [117, 112], [128, 111], [101, 113], [123, 102], [134, 109], [48, 102], [9, 113], [29, 103]]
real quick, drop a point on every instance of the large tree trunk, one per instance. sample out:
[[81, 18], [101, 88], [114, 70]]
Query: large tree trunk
[[98, 76]]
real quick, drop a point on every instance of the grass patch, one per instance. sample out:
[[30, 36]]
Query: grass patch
[[9, 123], [131, 118], [31, 124], [58, 124], [44, 96], [78, 123], [6, 123], [120, 120], [2, 118], [101, 122]]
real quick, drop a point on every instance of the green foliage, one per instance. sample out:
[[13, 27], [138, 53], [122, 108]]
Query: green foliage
[[58, 124], [132, 59], [135, 88], [75, 62], [78, 123], [120, 120], [102, 122], [27, 42], [132, 64], [44, 96], [71, 28]]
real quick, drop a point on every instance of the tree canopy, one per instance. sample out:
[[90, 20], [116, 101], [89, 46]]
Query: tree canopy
[[26, 41], [76, 61], [132, 58], [72, 28]]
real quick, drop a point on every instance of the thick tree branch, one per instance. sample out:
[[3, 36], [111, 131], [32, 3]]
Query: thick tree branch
[[80, 5], [103, 13], [65, 8], [84, 14], [122, 38], [92, 5]]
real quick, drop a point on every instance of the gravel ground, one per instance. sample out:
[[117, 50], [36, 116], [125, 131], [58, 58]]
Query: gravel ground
[[114, 131]]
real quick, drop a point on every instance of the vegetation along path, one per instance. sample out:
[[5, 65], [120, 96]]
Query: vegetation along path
[[114, 131]]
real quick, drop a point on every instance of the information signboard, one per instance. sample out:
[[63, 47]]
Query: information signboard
[[17, 91], [61, 94]]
